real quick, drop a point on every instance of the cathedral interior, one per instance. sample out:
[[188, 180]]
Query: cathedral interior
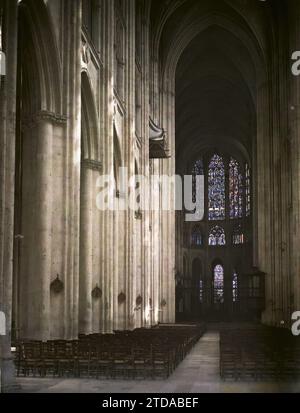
[[199, 88]]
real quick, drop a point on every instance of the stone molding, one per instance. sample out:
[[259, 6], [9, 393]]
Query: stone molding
[[92, 164], [43, 115]]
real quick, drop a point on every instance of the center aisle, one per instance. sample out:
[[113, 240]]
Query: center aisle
[[199, 371]]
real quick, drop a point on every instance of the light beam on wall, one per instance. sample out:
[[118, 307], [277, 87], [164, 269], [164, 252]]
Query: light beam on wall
[[2, 64]]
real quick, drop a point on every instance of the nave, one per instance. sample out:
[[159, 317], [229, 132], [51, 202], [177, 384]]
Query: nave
[[198, 373], [188, 88]]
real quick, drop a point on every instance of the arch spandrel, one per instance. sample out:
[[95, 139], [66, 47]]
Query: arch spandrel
[[46, 67]]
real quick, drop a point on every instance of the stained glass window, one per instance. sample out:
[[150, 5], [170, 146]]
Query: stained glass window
[[217, 236], [218, 284], [196, 238], [238, 236], [201, 291], [198, 169], [248, 190], [235, 190], [216, 189], [235, 287]]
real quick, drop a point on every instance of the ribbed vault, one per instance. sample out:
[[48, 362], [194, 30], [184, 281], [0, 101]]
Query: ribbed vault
[[213, 55], [215, 95]]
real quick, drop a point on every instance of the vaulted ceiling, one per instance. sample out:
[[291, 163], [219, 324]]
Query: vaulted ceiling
[[217, 75], [215, 94]]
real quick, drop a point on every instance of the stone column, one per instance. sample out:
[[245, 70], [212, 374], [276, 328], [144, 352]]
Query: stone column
[[72, 66], [131, 271], [86, 250], [262, 202], [107, 217], [147, 224], [39, 298], [36, 247], [7, 184], [168, 224], [294, 109]]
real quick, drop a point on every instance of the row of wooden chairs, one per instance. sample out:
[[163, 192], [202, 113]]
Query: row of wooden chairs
[[152, 353], [263, 354]]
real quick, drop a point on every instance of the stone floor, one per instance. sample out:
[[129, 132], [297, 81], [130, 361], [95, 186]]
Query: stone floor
[[198, 373]]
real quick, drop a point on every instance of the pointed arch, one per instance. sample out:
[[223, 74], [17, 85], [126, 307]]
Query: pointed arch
[[198, 169], [218, 282], [41, 64], [199, 24], [117, 159], [196, 236], [217, 236], [238, 237], [248, 189], [235, 286], [216, 188], [90, 121], [236, 194]]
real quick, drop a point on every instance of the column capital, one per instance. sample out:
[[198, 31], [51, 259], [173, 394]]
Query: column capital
[[43, 115], [92, 164]]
